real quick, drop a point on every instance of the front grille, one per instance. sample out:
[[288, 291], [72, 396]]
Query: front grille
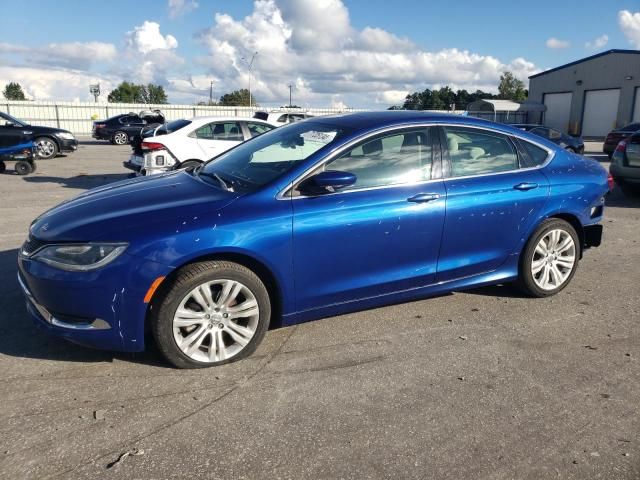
[[31, 244]]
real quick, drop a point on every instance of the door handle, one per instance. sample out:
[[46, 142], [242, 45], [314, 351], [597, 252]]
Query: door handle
[[423, 197], [526, 186]]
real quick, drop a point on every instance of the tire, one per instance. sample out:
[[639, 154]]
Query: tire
[[120, 138], [190, 163], [23, 168], [3, 167], [557, 266], [208, 333], [46, 147]]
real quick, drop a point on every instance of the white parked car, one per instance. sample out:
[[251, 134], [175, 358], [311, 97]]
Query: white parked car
[[279, 118], [200, 140]]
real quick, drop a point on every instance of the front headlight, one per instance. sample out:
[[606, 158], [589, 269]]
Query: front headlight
[[66, 136], [80, 258]]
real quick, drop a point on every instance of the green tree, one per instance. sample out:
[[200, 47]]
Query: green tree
[[511, 88], [128, 92], [13, 91], [237, 98]]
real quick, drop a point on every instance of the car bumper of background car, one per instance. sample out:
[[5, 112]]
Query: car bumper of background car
[[628, 174], [102, 309], [68, 145]]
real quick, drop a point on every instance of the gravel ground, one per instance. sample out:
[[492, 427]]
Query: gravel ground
[[480, 384]]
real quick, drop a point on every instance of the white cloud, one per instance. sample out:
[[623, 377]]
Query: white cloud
[[181, 7], [56, 84], [555, 43], [597, 43], [315, 43], [630, 25], [78, 55], [147, 37]]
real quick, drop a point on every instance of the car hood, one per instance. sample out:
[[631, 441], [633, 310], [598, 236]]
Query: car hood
[[121, 210]]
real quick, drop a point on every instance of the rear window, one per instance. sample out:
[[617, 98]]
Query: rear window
[[261, 115], [632, 127], [176, 125]]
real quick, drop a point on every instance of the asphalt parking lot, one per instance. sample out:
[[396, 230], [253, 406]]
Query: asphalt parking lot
[[480, 384]]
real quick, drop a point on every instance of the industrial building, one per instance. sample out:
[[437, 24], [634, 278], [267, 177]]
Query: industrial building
[[590, 97]]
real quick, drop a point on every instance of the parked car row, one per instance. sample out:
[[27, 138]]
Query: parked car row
[[120, 129], [48, 141]]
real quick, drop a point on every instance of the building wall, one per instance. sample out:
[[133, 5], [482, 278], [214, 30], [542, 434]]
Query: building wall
[[605, 72]]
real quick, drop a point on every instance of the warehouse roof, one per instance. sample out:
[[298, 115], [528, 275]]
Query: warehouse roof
[[586, 59]]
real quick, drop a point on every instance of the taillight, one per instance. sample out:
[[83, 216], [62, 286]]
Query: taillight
[[622, 146], [153, 146], [100, 125], [610, 182]]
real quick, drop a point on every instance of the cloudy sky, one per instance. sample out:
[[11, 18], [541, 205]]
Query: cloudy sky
[[356, 53]]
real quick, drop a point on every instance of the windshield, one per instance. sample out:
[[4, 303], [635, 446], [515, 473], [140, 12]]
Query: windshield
[[9, 119], [270, 155]]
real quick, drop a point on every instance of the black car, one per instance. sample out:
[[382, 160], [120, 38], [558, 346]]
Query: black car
[[120, 129], [573, 144], [49, 141], [615, 136]]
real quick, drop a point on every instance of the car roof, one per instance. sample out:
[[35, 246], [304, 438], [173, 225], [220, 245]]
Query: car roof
[[388, 118]]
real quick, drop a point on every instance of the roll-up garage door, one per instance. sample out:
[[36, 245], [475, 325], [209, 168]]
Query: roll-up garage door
[[558, 110], [600, 112], [636, 106]]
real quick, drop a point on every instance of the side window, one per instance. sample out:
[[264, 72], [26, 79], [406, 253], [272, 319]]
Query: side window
[[393, 159], [229, 131], [282, 118], [554, 134], [537, 155], [477, 152], [125, 120], [204, 132], [258, 128]]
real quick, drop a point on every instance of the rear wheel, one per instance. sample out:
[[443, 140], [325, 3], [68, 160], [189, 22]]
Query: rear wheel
[[212, 313], [23, 168], [46, 147], [120, 138], [550, 258]]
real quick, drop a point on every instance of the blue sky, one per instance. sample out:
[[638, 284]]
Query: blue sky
[[351, 52]]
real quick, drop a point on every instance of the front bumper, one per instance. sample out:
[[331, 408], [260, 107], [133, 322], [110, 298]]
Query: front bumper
[[68, 145], [102, 309]]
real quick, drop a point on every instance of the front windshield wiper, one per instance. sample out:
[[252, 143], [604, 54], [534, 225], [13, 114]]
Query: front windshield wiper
[[226, 184]]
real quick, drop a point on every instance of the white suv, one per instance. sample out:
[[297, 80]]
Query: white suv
[[202, 139], [279, 118]]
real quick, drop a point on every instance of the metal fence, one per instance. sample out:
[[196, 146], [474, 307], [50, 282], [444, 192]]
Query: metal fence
[[78, 117]]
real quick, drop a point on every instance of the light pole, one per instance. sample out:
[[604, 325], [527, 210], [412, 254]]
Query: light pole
[[290, 87], [250, 66]]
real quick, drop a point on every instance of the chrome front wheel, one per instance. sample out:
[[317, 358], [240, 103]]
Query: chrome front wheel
[[120, 138], [46, 148], [210, 313], [216, 320]]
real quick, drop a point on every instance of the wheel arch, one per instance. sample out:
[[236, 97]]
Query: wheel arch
[[575, 222], [259, 268], [50, 137]]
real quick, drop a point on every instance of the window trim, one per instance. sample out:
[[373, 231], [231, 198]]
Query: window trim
[[444, 173]]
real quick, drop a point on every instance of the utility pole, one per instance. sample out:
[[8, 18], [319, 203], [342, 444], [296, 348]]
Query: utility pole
[[211, 93], [290, 87], [250, 67]]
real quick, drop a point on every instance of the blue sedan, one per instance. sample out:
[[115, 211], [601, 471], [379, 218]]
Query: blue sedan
[[313, 219]]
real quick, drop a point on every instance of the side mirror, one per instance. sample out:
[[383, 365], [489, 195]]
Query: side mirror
[[329, 181]]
